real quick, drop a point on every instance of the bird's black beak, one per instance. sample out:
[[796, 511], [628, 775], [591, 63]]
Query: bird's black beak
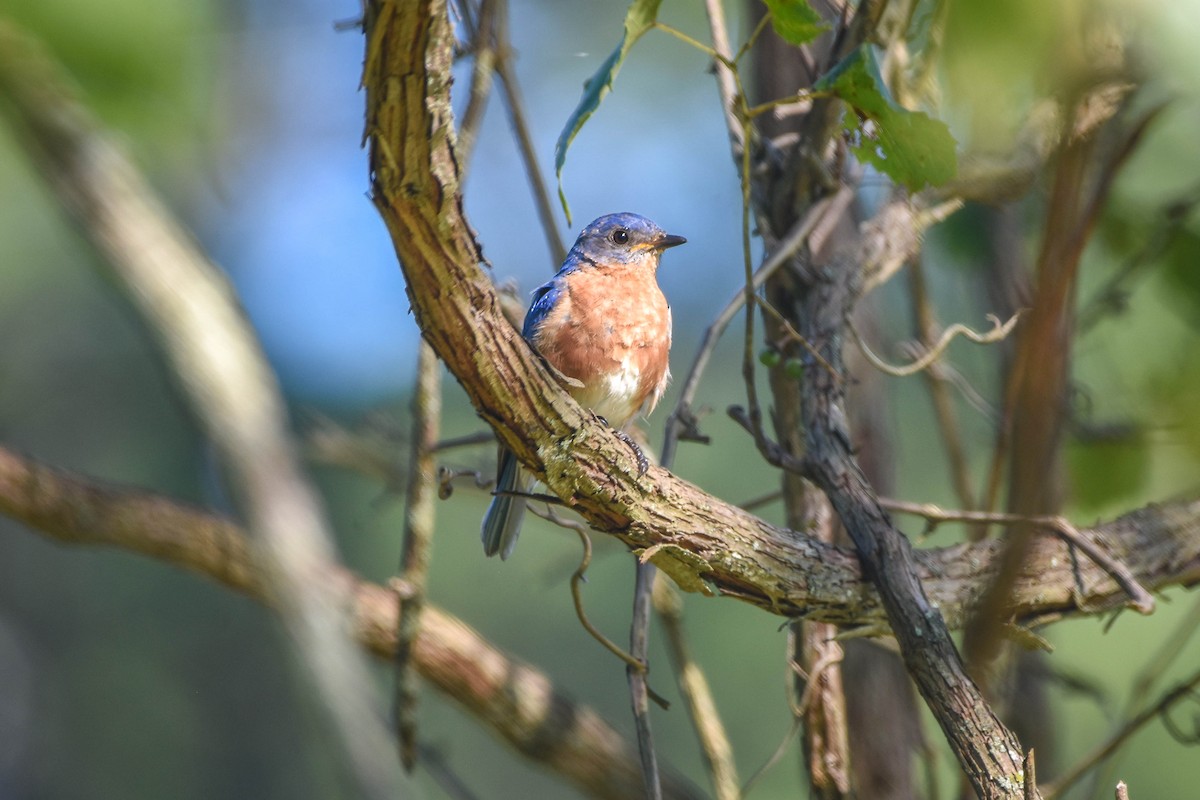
[[668, 240]]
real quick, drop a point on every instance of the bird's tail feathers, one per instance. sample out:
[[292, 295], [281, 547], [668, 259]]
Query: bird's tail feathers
[[502, 523]]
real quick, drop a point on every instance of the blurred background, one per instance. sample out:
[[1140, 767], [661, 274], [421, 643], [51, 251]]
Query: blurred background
[[121, 677]]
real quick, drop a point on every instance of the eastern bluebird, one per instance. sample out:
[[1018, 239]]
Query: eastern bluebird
[[604, 324]]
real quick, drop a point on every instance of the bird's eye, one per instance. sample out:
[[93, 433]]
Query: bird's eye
[[620, 236]]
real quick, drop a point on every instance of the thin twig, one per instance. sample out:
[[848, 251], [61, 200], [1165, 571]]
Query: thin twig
[[795, 336], [798, 708], [447, 477], [1186, 738], [1139, 599], [998, 332], [702, 708], [788, 246], [763, 23], [944, 371], [483, 37], [516, 116], [766, 498], [417, 545], [639, 690], [467, 440], [749, 290], [1171, 646], [364, 452], [812, 678], [771, 450], [784, 745], [453, 786], [782, 106], [939, 394], [726, 81], [577, 581], [1111, 295], [683, 37], [1058, 787]]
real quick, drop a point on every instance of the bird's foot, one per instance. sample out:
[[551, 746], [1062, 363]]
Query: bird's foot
[[642, 462]]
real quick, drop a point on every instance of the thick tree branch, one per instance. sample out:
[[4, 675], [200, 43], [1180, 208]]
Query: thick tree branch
[[514, 700], [705, 544], [989, 754]]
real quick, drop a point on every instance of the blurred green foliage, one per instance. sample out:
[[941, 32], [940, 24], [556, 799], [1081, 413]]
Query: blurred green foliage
[[144, 682]]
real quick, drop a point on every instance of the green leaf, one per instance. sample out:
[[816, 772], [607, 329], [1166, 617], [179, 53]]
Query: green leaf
[[770, 357], [910, 147], [795, 21], [857, 80], [638, 19]]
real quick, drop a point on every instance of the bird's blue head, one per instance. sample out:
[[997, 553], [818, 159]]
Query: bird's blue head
[[622, 239]]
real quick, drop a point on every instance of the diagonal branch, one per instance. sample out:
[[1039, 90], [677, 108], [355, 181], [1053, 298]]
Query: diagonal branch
[[515, 701], [988, 753], [704, 544]]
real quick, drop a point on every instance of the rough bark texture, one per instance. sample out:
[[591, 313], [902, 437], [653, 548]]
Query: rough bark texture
[[861, 727], [988, 753], [881, 705], [704, 544]]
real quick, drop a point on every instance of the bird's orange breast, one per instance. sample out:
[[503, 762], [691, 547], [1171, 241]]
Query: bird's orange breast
[[611, 332]]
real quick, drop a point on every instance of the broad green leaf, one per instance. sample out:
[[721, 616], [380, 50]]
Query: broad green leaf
[[910, 147], [856, 79], [638, 19], [795, 21]]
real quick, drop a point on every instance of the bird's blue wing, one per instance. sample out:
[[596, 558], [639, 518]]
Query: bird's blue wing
[[544, 299]]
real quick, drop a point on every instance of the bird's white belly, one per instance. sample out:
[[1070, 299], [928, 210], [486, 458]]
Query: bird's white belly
[[615, 395]]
